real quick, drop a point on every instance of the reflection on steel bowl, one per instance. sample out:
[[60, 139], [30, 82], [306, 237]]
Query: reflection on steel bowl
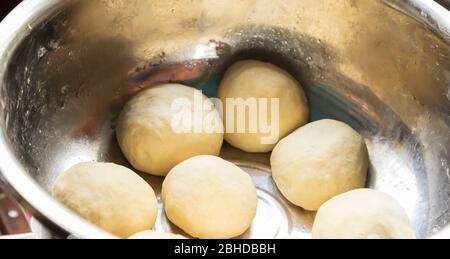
[[383, 67]]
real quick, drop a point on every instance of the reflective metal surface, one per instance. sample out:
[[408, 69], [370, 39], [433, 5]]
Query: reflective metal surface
[[381, 65], [275, 218]]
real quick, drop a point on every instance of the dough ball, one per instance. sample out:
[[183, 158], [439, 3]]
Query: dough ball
[[362, 214], [150, 234], [255, 79], [319, 161], [108, 195], [209, 197], [146, 132]]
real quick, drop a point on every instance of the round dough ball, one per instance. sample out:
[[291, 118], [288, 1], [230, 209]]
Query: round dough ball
[[150, 234], [108, 195], [209, 197], [148, 139], [319, 161], [255, 79], [362, 214]]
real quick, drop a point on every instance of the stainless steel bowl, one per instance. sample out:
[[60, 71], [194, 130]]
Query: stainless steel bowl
[[67, 68]]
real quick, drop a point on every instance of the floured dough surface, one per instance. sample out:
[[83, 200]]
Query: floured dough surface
[[108, 195], [209, 197], [149, 140], [263, 81], [362, 214], [319, 161]]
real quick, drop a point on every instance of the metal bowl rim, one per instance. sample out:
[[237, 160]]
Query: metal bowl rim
[[18, 25]]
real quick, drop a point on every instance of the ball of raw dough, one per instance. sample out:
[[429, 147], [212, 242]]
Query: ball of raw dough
[[319, 161], [146, 132], [263, 81], [209, 197], [108, 195], [362, 214], [150, 234]]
